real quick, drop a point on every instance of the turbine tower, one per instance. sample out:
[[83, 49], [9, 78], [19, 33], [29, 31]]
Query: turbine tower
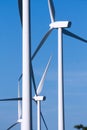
[[59, 26], [19, 120], [26, 92], [20, 5]]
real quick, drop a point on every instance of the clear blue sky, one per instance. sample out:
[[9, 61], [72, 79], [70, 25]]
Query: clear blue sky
[[75, 61]]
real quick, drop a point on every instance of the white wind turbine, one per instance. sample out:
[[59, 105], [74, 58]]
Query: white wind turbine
[[19, 120], [19, 99], [59, 25], [39, 98], [66, 32]]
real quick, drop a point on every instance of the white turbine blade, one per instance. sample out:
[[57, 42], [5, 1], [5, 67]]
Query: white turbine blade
[[66, 32], [78, 126], [41, 43], [51, 10], [20, 78], [19, 103], [12, 125], [20, 9], [40, 86], [43, 120], [11, 99]]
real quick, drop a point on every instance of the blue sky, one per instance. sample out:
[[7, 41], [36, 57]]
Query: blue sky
[[75, 61]]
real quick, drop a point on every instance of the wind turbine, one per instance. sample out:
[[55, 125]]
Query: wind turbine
[[39, 98], [19, 107], [59, 26], [34, 84], [79, 126], [66, 32], [19, 99]]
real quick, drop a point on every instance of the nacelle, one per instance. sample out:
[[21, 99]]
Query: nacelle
[[60, 24], [39, 98]]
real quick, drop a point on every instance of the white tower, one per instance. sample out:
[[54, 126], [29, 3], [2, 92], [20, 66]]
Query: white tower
[[27, 96]]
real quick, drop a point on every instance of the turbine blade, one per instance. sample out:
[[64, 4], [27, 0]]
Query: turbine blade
[[12, 125], [51, 10], [20, 77], [43, 120], [40, 86], [33, 79], [78, 126], [41, 43], [74, 35], [20, 9], [19, 103], [11, 99]]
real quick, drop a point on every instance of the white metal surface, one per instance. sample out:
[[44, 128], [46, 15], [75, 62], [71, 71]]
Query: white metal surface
[[61, 124], [20, 120], [60, 24], [27, 98], [60, 82], [38, 115], [51, 11], [39, 98], [40, 86]]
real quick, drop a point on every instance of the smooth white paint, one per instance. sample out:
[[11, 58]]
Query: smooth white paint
[[60, 82], [51, 11], [40, 86], [38, 115], [38, 99], [59, 24], [26, 92]]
